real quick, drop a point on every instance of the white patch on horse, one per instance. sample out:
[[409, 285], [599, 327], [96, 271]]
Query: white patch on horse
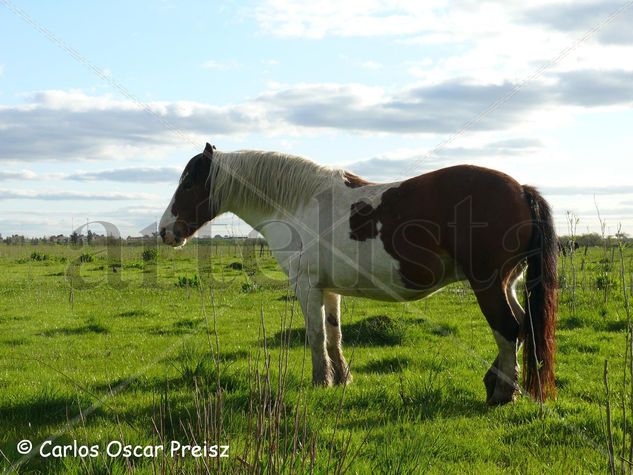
[[513, 300], [508, 365], [167, 222]]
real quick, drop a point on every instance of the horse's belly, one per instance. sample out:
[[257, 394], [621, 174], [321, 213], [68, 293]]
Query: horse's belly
[[393, 293], [372, 273]]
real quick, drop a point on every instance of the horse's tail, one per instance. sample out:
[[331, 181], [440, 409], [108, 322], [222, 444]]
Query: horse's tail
[[541, 300]]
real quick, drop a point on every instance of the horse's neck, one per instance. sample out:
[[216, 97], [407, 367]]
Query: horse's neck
[[254, 217]]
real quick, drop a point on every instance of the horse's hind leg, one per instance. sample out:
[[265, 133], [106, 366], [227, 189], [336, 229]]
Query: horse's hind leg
[[332, 304], [502, 379]]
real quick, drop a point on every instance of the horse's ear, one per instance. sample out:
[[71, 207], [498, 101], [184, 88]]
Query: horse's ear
[[208, 149]]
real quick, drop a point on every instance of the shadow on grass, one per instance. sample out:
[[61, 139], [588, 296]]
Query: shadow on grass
[[444, 329], [287, 298], [529, 428], [16, 341], [571, 347], [180, 327], [45, 407], [193, 368], [420, 399], [92, 327], [379, 330], [598, 324], [12, 318], [385, 365], [136, 313]]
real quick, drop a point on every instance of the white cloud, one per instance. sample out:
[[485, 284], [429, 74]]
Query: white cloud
[[17, 175], [56, 195], [590, 190], [489, 41], [220, 65], [131, 174], [352, 18], [374, 65]]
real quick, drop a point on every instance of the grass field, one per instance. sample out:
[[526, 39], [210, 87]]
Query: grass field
[[94, 351]]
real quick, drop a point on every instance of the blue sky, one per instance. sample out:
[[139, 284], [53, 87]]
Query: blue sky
[[372, 86]]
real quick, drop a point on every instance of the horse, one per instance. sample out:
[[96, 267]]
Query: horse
[[335, 233]]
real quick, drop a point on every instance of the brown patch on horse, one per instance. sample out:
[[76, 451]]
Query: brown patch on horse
[[354, 181], [482, 208], [362, 222], [331, 319]]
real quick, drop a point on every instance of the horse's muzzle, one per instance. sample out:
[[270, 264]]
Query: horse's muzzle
[[171, 238]]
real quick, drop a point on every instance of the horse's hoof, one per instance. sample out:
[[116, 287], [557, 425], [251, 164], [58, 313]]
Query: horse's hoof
[[343, 379], [490, 381], [501, 399], [325, 380]]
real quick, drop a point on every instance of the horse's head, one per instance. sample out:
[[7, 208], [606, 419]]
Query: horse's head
[[191, 205]]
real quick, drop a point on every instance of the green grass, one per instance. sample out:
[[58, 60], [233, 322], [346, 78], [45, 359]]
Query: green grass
[[94, 351]]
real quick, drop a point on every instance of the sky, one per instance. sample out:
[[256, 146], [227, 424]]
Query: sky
[[103, 103]]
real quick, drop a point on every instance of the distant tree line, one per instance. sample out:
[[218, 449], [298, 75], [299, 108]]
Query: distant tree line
[[92, 238], [594, 239]]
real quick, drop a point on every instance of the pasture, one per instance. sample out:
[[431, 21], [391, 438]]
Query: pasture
[[202, 344]]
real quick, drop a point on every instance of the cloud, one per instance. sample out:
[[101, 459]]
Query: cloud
[[62, 125], [17, 175], [587, 190], [443, 107], [371, 65], [592, 88], [381, 169], [70, 124], [304, 18], [132, 174], [308, 19], [420, 109], [73, 195], [219, 65], [581, 16], [485, 40], [435, 21], [384, 168]]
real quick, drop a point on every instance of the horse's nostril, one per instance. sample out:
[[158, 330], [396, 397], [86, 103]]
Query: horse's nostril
[[162, 232]]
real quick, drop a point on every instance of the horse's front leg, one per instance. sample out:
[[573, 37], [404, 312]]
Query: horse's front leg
[[312, 305], [332, 304]]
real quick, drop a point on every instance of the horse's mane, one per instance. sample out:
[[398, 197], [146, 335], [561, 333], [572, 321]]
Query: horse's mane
[[266, 180]]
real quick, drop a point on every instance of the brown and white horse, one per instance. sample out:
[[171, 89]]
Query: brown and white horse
[[336, 234]]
